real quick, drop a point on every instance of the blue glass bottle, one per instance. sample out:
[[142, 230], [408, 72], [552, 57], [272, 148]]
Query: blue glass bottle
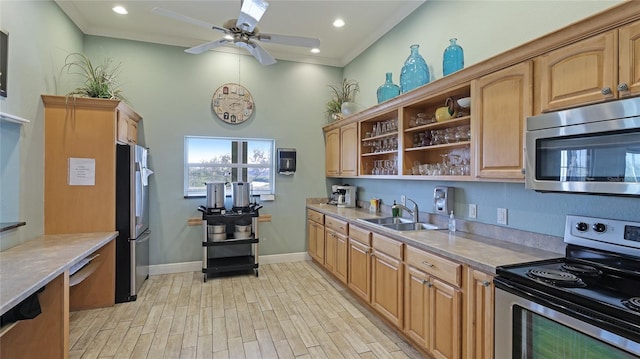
[[415, 71], [388, 90], [453, 58]]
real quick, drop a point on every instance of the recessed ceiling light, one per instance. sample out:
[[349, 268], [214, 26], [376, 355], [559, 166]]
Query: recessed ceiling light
[[120, 10], [315, 50], [338, 23]]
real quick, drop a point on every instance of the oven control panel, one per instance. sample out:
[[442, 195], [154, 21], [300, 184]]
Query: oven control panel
[[608, 234]]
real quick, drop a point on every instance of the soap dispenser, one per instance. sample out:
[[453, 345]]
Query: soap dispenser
[[395, 210], [452, 223]]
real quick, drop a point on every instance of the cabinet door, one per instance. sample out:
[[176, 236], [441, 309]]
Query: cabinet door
[[330, 238], [480, 292], [445, 318], [320, 246], [359, 279], [629, 48], [349, 150], [580, 73], [386, 294], [501, 106], [123, 128], [312, 239], [132, 131], [342, 252], [332, 152], [416, 305]]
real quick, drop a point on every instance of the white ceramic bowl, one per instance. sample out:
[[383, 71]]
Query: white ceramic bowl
[[242, 235], [464, 102]]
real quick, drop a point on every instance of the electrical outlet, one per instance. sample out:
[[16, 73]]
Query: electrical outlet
[[473, 211], [403, 200], [502, 216]]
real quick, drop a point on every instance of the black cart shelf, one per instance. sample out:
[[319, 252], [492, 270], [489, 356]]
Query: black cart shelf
[[214, 261]]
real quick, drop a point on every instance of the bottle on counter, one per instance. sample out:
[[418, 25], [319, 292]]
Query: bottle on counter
[[395, 210], [452, 223]]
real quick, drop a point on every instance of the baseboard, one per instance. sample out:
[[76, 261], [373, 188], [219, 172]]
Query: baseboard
[[158, 269]]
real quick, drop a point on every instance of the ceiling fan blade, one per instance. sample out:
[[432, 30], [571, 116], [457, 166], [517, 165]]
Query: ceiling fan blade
[[184, 18], [250, 13], [258, 52], [206, 46], [289, 40]]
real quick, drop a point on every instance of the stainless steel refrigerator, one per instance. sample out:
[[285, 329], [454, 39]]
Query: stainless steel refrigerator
[[132, 220]]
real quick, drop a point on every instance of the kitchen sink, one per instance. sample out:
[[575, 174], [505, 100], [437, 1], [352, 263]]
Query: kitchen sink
[[410, 226], [399, 224], [386, 220]]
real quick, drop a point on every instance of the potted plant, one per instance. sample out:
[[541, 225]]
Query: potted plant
[[99, 81], [342, 99]]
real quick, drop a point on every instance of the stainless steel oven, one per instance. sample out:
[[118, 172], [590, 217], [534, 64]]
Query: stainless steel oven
[[584, 305], [591, 149]]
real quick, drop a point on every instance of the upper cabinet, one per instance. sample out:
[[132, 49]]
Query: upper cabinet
[[600, 68], [341, 151], [127, 126], [502, 102]]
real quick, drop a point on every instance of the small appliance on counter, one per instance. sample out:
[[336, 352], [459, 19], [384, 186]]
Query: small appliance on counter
[[443, 199], [346, 196]]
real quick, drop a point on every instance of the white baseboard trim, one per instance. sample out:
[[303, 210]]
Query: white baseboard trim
[[170, 268]]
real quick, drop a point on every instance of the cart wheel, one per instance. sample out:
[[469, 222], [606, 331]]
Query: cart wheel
[[256, 272], [204, 278]]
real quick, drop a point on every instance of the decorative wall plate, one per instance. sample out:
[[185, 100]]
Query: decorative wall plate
[[232, 103]]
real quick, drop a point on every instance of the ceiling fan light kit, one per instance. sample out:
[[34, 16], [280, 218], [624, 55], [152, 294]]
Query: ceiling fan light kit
[[243, 32]]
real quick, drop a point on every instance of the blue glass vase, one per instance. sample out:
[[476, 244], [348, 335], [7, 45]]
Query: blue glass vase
[[388, 90], [453, 58], [415, 71]]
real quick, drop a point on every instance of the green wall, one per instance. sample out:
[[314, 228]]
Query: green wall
[[40, 37]]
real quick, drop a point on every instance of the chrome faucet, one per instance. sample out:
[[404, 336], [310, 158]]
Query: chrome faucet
[[414, 212]]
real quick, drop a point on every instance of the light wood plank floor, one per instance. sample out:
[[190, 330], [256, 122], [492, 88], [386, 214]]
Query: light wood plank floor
[[292, 310]]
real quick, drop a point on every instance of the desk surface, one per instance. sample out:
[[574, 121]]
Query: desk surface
[[27, 267]]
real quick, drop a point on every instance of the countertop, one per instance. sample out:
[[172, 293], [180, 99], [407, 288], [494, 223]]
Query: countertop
[[479, 252], [27, 267]]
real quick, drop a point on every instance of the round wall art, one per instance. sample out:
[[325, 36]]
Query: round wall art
[[232, 103]]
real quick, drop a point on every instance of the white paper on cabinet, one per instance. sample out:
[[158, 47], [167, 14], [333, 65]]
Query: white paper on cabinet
[[82, 171]]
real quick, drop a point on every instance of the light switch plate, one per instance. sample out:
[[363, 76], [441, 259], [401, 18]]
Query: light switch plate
[[502, 216], [473, 210]]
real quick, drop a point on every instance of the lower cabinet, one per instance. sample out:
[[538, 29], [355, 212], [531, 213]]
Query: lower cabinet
[[315, 235], [359, 263], [479, 310], [386, 278], [335, 240], [433, 306]]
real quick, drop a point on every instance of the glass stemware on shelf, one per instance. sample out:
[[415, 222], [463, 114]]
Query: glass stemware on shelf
[[454, 163], [435, 137], [385, 167], [381, 128]]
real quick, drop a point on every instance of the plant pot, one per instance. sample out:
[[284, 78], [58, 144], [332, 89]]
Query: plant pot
[[348, 108]]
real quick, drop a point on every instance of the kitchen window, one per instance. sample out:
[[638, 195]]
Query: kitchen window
[[223, 159]]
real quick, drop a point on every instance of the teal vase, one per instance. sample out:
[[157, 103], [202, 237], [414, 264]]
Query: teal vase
[[388, 90], [415, 71], [453, 58]]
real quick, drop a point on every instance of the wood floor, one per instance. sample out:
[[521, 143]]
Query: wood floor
[[292, 310]]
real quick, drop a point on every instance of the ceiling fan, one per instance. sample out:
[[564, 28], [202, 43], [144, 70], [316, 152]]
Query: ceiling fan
[[242, 32]]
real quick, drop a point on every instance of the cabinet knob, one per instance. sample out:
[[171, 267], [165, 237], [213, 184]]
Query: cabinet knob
[[424, 281], [427, 264], [623, 87], [485, 283], [606, 91], [429, 284]]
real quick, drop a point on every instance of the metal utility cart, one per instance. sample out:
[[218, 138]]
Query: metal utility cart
[[230, 254]]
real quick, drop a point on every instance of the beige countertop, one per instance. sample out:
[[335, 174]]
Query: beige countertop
[[27, 267], [479, 252]]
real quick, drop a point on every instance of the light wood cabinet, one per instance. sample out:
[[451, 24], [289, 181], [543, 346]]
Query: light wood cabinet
[[341, 151], [127, 128], [479, 298], [315, 235], [335, 258], [433, 305], [600, 68], [80, 128], [387, 278], [502, 102], [359, 262]]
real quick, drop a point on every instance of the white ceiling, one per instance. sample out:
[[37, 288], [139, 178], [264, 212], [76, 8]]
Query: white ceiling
[[366, 21]]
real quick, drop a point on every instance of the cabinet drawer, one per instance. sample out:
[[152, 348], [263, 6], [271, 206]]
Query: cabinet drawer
[[315, 216], [435, 265], [361, 235], [337, 225], [387, 246]]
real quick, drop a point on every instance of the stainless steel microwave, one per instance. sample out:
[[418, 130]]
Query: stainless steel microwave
[[592, 149]]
